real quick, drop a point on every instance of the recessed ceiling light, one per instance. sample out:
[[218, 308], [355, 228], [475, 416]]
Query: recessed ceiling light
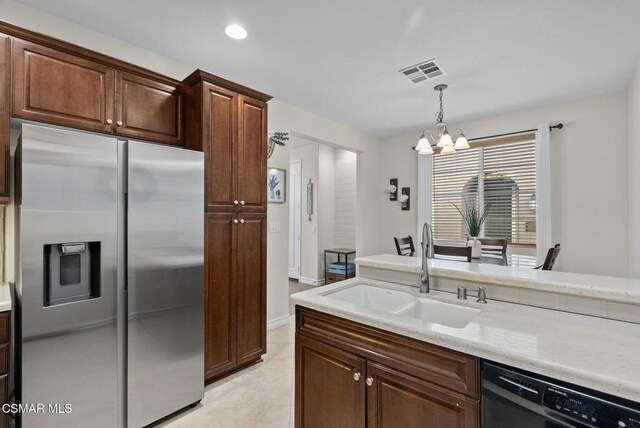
[[236, 32]]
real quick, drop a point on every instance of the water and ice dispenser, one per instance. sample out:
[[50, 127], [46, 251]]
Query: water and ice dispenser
[[71, 272]]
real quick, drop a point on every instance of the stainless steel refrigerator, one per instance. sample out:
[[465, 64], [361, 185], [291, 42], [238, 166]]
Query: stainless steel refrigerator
[[109, 279]]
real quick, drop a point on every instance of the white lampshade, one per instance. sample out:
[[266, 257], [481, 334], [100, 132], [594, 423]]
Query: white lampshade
[[445, 139], [423, 143], [461, 143], [447, 150], [426, 151]]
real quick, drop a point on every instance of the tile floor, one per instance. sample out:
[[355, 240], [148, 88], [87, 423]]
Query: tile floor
[[260, 396]]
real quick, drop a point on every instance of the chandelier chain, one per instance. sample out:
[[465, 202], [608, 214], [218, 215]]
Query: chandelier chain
[[441, 113]]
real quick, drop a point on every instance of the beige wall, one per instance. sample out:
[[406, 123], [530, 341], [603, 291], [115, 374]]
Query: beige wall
[[345, 193], [282, 117], [589, 176], [634, 175], [326, 203]]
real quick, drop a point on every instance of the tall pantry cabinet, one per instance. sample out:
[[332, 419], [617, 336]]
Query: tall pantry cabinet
[[228, 122]]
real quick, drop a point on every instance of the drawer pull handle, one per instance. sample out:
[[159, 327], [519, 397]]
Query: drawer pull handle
[[235, 221], [356, 376], [369, 381]]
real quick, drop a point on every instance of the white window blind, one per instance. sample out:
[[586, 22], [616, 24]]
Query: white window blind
[[501, 175]]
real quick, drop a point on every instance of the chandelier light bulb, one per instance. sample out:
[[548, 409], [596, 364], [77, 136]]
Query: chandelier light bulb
[[426, 151], [423, 143], [445, 139], [461, 143], [447, 150]]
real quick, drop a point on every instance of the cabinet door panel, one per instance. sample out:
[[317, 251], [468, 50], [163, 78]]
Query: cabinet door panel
[[252, 155], [148, 110], [220, 112], [252, 261], [5, 113], [220, 294], [55, 87], [327, 394], [396, 399]]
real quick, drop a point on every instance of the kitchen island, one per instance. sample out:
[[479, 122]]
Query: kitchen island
[[535, 332]]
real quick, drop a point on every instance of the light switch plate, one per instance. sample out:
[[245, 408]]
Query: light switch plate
[[274, 227]]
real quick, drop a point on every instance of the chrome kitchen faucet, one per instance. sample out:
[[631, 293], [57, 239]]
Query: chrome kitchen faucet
[[427, 253]]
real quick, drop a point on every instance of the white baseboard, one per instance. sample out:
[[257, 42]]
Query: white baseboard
[[279, 322], [294, 273], [311, 281]]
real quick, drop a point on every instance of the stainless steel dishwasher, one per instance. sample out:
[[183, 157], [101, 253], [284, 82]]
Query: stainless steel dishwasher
[[514, 398]]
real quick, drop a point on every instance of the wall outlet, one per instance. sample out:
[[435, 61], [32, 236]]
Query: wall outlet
[[274, 227]]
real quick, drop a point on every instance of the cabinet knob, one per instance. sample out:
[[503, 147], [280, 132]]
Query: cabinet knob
[[369, 381], [109, 121], [356, 376], [241, 202], [119, 123], [235, 202], [242, 220], [235, 221]]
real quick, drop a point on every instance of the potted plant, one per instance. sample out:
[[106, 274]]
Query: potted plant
[[276, 138], [473, 218]]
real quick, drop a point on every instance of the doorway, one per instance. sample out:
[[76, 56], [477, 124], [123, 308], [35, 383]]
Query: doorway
[[295, 213]]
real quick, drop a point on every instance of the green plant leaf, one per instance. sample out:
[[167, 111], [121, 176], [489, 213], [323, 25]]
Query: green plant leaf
[[473, 217]]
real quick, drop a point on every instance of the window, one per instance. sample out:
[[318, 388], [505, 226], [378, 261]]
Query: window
[[502, 175]]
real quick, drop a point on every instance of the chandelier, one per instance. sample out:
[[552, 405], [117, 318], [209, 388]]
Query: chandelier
[[444, 140]]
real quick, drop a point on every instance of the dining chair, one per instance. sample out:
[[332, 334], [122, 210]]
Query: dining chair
[[404, 246], [492, 245], [446, 250], [550, 260]]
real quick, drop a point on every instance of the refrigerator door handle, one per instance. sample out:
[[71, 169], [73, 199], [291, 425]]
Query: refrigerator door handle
[[122, 282]]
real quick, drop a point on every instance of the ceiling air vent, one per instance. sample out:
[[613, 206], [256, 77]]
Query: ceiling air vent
[[423, 71]]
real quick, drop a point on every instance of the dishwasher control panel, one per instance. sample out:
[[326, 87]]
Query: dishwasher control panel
[[593, 411]]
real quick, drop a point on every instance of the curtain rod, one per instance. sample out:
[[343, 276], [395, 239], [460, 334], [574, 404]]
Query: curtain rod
[[551, 128]]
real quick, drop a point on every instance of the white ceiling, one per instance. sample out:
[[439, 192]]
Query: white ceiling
[[340, 58]]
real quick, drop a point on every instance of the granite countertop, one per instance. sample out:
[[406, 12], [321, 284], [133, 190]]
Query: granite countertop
[[5, 297], [608, 288], [593, 352]]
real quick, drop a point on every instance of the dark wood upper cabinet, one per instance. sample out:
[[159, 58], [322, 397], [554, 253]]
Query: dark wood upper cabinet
[[229, 123], [55, 87], [89, 91], [252, 154], [252, 277], [221, 142], [330, 387], [147, 109], [220, 294], [5, 115], [396, 399]]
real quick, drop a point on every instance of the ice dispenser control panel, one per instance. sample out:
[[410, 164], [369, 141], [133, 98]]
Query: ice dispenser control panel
[[71, 272]]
